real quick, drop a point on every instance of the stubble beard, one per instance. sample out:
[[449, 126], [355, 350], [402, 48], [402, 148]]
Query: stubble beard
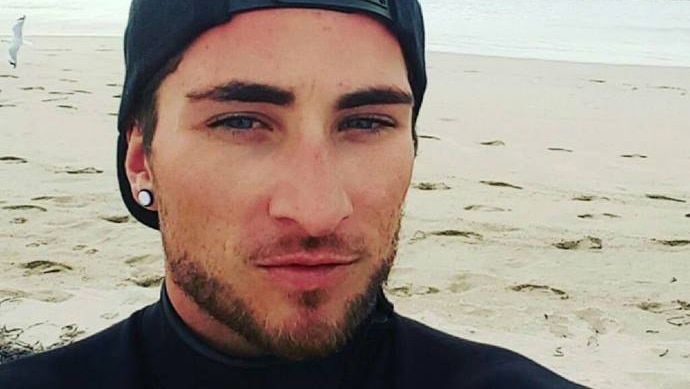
[[315, 339]]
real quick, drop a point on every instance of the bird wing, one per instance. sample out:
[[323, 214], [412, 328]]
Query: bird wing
[[18, 28], [14, 48]]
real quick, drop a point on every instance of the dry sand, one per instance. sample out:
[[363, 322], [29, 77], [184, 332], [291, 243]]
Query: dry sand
[[550, 211]]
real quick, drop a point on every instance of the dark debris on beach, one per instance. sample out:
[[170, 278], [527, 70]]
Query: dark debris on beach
[[12, 348]]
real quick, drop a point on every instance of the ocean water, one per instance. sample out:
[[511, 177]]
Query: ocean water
[[645, 32]]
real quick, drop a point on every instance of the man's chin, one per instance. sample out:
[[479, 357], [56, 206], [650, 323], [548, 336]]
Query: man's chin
[[306, 340], [310, 324]]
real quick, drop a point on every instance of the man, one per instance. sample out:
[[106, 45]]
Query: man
[[272, 143]]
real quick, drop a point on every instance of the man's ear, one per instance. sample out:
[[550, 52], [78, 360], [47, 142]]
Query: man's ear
[[137, 165]]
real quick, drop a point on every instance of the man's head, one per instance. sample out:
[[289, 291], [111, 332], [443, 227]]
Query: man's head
[[280, 152]]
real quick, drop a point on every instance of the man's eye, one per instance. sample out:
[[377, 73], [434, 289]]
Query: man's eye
[[236, 123], [366, 123]]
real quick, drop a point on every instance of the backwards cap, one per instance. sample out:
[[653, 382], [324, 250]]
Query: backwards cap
[[158, 30]]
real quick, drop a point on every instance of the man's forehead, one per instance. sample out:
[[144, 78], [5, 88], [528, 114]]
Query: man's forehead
[[250, 26], [286, 47]]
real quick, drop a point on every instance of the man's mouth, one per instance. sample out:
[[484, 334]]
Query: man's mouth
[[306, 271]]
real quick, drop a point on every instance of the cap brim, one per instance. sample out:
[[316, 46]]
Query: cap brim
[[149, 218]]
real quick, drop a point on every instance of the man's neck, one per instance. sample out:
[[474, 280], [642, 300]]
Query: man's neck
[[210, 330]]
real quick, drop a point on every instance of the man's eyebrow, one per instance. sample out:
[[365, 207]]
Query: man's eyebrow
[[246, 92], [374, 96]]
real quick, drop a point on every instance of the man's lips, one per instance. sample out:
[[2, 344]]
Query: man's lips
[[306, 271], [306, 260]]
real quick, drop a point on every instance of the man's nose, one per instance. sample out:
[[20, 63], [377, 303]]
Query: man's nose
[[309, 191]]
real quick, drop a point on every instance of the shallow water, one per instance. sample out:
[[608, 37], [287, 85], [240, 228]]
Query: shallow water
[[652, 32]]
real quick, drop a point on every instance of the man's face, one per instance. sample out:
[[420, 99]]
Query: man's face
[[281, 160]]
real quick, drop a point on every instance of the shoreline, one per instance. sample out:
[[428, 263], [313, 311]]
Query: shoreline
[[430, 51]]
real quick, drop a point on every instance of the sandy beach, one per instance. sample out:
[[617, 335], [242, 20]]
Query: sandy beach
[[549, 211]]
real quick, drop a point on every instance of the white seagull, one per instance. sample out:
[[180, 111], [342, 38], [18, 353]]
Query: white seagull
[[17, 40]]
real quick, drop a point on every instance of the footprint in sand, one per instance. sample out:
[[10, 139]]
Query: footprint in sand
[[560, 149], [44, 267], [456, 233], [597, 322], [148, 281], [664, 198], [110, 316], [50, 296], [86, 170], [428, 186], [500, 184], [115, 219], [673, 243], [596, 318], [558, 325], [493, 143], [145, 270], [658, 308], [82, 247], [679, 321], [666, 87], [588, 198], [469, 236], [24, 207], [39, 243], [634, 156], [13, 160], [599, 216], [464, 282], [19, 220], [139, 259], [586, 243], [11, 295], [677, 313], [531, 288], [485, 208], [58, 199], [408, 290]]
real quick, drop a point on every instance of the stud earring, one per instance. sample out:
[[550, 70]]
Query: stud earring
[[145, 198]]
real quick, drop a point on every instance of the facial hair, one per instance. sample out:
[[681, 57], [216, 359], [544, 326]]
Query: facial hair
[[219, 299]]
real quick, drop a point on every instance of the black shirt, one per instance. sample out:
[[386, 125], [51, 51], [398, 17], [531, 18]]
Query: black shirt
[[153, 348]]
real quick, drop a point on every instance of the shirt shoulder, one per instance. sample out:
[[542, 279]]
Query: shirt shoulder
[[107, 359], [430, 358]]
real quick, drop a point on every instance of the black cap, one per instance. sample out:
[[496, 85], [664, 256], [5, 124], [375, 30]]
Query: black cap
[[158, 30]]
